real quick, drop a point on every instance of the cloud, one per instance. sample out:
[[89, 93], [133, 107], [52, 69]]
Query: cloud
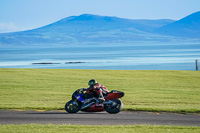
[[8, 27]]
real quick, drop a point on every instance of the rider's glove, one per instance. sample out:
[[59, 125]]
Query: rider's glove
[[82, 90]]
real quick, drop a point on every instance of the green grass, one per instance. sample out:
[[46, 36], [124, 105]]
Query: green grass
[[49, 89], [34, 128]]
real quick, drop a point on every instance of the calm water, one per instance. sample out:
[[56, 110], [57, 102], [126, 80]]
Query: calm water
[[140, 56]]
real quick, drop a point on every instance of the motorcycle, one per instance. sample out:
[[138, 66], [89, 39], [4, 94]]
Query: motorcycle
[[112, 104]]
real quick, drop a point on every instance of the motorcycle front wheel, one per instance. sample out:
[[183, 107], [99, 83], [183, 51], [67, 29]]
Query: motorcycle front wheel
[[115, 107], [72, 106]]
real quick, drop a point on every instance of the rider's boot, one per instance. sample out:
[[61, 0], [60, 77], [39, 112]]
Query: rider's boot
[[101, 98]]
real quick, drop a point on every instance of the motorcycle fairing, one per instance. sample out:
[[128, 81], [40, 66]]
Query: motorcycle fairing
[[95, 108], [80, 97], [114, 95]]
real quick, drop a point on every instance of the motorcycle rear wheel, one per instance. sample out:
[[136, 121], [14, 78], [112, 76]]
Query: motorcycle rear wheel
[[116, 109], [72, 106]]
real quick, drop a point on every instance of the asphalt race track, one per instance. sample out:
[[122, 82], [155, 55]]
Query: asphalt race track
[[100, 118]]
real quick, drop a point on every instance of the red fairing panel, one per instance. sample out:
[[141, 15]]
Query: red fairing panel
[[96, 108], [112, 96]]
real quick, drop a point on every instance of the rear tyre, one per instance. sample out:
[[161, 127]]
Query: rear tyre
[[114, 108], [72, 106]]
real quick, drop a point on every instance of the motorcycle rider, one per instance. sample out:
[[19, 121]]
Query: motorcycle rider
[[96, 90]]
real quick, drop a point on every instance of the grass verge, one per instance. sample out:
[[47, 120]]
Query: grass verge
[[30, 128], [50, 89]]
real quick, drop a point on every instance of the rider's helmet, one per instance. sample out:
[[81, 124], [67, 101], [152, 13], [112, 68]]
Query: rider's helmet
[[92, 82]]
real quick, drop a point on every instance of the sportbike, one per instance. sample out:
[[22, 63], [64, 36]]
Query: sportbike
[[112, 104]]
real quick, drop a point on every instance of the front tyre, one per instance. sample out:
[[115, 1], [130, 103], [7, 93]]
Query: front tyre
[[115, 107], [72, 106]]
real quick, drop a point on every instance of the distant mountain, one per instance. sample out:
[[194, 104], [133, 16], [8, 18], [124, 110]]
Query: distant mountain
[[188, 27], [89, 28]]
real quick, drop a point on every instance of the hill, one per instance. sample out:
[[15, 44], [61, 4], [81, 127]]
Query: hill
[[89, 28], [187, 27]]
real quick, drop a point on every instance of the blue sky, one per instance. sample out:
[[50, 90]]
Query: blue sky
[[16, 15]]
